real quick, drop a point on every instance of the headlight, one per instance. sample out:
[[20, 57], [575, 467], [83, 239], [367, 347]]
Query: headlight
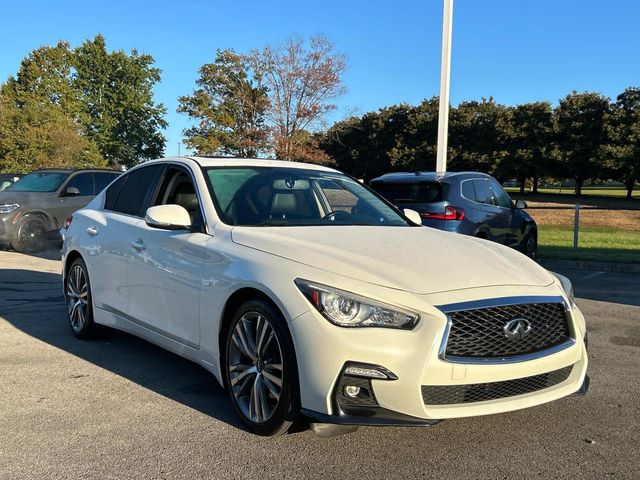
[[347, 309], [9, 207], [566, 286]]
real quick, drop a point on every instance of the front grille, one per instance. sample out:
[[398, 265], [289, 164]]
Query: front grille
[[479, 333], [479, 392]]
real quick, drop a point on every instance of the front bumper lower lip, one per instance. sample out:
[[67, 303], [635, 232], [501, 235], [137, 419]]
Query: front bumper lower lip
[[374, 416]]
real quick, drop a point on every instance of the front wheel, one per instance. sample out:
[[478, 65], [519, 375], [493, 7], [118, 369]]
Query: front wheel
[[29, 234], [260, 369]]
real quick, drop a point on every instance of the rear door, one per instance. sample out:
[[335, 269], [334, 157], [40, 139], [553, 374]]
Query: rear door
[[497, 218], [503, 201], [166, 267], [109, 237]]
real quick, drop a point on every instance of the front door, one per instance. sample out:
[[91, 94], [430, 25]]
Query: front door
[[166, 267]]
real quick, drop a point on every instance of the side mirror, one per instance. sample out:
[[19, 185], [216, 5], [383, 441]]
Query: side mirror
[[520, 205], [168, 217], [413, 216], [71, 192]]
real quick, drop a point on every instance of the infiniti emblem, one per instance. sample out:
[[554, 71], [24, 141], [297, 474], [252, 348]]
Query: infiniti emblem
[[517, 328]]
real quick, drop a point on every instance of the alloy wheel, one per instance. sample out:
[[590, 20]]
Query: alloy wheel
[[77, 298], [255, 364]]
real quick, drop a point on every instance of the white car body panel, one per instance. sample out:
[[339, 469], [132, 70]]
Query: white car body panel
[[173, 293]]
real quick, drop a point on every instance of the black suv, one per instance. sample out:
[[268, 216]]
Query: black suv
[[471, 203], [41, 202]]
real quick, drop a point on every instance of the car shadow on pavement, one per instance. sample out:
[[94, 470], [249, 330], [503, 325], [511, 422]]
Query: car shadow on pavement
[[32, 302]]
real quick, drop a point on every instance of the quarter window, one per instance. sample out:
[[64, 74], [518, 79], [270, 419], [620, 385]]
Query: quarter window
[[468, 191]]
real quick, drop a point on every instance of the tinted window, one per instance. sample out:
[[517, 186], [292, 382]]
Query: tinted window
[[104, 179], [423, 192], [468, 191], [39, 182], [83, 182], [483, 192], [178, 189], [265, 196], [129, 193], [500, 196]]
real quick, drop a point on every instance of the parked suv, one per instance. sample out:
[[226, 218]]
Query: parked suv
[[41, 201], [467, 202]]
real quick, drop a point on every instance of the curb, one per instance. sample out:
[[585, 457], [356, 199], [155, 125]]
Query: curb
[[596, 266]]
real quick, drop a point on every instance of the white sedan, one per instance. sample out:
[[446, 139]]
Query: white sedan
[[303, 292]]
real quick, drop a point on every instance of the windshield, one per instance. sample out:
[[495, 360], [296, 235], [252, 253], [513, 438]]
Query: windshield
[[38, 182], [268, 196]]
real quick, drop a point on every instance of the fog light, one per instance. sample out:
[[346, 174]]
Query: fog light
[[352, 391]]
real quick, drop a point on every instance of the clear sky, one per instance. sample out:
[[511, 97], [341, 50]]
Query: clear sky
[[514, 50]]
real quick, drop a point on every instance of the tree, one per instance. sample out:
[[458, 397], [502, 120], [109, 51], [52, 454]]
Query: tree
[[229, 105], [416, 140], [527, 134], [117, 109], [580, 136], [106, 98], [302, 80], [36, 135], [623, 124], [475, 133]]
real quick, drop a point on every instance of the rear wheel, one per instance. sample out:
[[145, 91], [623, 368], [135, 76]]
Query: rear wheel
[[79, 302], [260, 369], [29, 234]]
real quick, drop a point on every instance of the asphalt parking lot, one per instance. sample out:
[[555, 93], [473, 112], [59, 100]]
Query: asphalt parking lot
[[118, 407]]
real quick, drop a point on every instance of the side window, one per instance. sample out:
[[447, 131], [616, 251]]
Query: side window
[[129, 193], [483, 192], [83, 182], [178, 189], [501, 197], [104, 179], [468, 190]]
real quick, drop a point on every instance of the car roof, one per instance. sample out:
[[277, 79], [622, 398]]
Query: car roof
[[211, 161], [74, 170], [410, 177]]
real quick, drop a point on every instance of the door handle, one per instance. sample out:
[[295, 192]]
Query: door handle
[[138, 245], [93, 231]]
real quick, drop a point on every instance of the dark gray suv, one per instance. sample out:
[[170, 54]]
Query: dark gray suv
[[466, 202], [41, 201]]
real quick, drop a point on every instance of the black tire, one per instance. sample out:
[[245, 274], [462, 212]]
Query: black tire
[[30, 232], [273, 416], [530, 245], [77, 293]]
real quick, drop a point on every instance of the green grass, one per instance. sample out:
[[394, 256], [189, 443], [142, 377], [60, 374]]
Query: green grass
[[596, 191], [596, 244]]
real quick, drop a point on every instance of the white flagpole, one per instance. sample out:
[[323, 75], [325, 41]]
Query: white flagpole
[[445, 77]]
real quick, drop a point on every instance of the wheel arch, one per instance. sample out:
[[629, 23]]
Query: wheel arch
[[49, 221], [234, 301], [72, 255]]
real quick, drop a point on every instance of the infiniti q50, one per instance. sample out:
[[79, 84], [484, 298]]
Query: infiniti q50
[[304, 292]]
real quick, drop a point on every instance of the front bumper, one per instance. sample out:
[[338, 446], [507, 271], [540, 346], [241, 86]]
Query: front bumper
[[413, 356], [7, 227]]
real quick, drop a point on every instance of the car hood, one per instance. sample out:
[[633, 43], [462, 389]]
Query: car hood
[[414, 259], [24, 198]]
